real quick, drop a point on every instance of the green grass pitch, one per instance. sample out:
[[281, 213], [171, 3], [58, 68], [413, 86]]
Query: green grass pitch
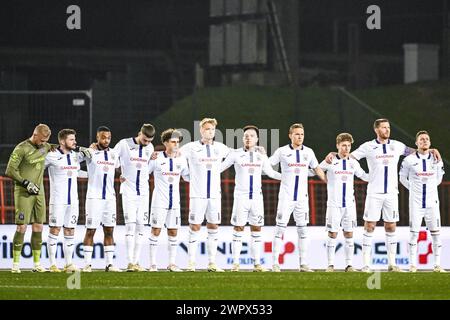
[[223, 286]]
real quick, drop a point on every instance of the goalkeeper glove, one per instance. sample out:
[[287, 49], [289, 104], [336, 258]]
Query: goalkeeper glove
[[31, 187], [84, 151]]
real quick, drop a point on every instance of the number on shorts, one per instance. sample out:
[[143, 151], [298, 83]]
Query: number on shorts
[[74, 219], [113, 220]]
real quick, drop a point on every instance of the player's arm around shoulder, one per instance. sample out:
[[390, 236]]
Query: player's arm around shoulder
[[359, 172], [275, 158], [185, 170], [361, 151], [228, 161], [440, 172], [267, 169]]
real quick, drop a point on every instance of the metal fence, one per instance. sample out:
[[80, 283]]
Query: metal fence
[[317, 198]]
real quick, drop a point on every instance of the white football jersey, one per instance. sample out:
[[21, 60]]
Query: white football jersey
[[382, 160], [134, 160], [295, 164], [167, 172], [249, 166], [204, 168], [63, 172], [340, 178], [101, 170], [422, 175]]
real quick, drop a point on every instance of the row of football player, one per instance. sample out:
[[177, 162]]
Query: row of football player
[[202, 161]]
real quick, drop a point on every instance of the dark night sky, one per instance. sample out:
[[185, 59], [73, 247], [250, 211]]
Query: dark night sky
[[105, 23], [150, 24]]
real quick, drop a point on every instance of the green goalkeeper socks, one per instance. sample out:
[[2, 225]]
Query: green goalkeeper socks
[[18, 243], [36, 244]]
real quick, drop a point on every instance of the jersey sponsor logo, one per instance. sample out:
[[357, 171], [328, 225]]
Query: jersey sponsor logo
[[296, 165], [106, 163], [343, 172], [251, 165], [137, 159], [37, 160], [170, 174], [384, 156], [68, 168], [208, 159], [426, 174]]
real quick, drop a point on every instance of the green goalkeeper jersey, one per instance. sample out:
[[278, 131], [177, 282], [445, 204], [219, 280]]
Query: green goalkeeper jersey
[[27, 162]]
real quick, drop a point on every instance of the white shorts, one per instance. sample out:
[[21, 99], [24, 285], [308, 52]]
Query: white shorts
[[63, 215], [338, 218], [299, 208], [248, 210], [135, 208], [378, 203], [170, 218], [199, 208], [432, 218], [100, 211]]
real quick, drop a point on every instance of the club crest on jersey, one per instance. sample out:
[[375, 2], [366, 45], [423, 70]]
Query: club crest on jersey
[[147, 153], [21, 216], [113, 156], [258, 158], [42, 150], [305, 157], [178, 166], [216, 152], [391, 147]]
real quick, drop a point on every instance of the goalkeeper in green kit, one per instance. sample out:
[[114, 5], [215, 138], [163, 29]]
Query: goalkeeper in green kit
[[26, 167]]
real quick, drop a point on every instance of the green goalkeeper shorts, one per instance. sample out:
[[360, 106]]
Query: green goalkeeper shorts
[[29, 208]]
